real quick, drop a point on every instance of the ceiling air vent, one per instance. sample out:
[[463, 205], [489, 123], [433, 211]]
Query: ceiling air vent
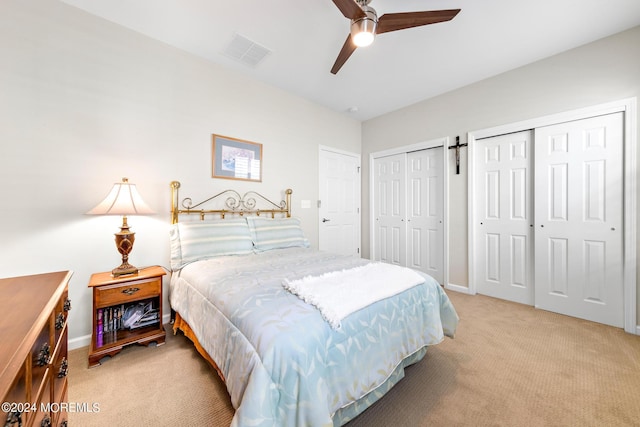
[[245, 51]]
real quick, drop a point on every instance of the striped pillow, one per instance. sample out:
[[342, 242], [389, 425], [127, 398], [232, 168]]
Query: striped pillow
[[276, 233], [193, 241]]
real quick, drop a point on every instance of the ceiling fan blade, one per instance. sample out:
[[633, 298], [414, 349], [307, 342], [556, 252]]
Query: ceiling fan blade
[[347, 49], [399, 21], [349, 9]]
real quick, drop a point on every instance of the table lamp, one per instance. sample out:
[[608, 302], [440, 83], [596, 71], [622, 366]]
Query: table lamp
[[124, 200]]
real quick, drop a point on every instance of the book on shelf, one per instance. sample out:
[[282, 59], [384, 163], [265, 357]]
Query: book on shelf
[[139, 315], [135, 315], [149, 318], [99, 323]]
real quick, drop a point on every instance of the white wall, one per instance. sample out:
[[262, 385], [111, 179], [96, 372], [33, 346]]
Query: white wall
[[604, 71], [84, 102]]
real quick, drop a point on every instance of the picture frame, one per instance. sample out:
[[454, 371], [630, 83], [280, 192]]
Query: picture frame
[[234, 158]]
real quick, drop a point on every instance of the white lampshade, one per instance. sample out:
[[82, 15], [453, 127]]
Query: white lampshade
[[123, 199]]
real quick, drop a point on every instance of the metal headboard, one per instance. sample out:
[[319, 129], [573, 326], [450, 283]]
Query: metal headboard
[[235, 204]]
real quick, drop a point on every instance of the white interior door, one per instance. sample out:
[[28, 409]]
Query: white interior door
[[390, 209], [339, 207], [504, 215], [579, 233], [425, 211]]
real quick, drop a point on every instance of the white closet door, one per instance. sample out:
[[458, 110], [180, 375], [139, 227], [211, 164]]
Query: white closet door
[[504, 213], [390, 209], [578, 208], [425, 210]]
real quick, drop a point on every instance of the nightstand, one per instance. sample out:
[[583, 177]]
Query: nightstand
[[126, 310]]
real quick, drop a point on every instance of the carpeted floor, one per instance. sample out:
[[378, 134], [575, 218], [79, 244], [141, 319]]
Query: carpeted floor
[[509, 365]]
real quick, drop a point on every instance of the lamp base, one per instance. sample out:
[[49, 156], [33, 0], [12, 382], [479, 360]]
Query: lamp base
[[124, 243], [124, 269]]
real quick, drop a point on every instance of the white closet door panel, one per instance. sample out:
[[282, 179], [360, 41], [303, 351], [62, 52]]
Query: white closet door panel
[[415, 251], [504, 213], [493, 258], [390, 209], [425, 211], [519, 260], [558, 272], [579, 220]]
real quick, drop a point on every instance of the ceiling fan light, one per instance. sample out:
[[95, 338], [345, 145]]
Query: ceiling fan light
[[362, 38]]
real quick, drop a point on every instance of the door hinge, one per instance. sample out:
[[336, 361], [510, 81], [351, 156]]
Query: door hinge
[[319, 203], [358, 167], [358, 250]]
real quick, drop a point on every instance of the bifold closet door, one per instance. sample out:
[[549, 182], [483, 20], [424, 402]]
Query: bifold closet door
[[578, 211], [425, 211], [390, 209], [504, 248], [409, 210]]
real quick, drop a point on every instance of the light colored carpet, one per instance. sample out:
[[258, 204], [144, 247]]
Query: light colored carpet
[[509, 365], [166, 385]]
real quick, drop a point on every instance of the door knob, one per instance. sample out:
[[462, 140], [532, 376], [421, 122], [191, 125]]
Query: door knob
[[325, 220]]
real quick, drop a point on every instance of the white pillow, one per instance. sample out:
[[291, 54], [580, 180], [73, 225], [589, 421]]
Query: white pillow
[[276, 233], [193, 241]]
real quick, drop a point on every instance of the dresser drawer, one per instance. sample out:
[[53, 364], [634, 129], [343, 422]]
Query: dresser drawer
[[15, 414], [60, 367], [41, 353], [61, 417], [43, 405], [61, 313], [127, 292]]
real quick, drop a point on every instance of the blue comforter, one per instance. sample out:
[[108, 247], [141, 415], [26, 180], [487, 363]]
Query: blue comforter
[[283, 364]]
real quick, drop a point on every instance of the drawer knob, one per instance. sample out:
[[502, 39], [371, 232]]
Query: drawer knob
[[43, 355], [14, 417], [67, 304], [59, 321], [64, 368], [130, 291]]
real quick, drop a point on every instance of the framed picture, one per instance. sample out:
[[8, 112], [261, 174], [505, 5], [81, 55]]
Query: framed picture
[[236, 159]]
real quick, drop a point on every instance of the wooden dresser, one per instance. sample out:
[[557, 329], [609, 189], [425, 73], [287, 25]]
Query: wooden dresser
[[33, 349]]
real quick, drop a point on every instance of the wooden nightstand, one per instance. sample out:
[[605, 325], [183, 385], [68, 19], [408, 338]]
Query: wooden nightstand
[[126, 310]]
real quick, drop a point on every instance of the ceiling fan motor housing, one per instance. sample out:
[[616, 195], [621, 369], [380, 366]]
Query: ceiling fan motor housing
[[366, 24]]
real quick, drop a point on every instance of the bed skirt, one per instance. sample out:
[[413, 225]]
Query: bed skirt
[[180, 324]]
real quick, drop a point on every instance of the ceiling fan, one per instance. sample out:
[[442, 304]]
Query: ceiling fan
[[365, 24]]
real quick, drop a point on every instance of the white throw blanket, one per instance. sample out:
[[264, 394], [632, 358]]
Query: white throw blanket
[[340, 293]]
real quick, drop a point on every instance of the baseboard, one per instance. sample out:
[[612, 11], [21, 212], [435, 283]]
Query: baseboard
[[79, 342], [465, 290], [85, 340], [166, 318], [457, 288]]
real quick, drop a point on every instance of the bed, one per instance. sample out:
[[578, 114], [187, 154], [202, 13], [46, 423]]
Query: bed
[[263, 308]]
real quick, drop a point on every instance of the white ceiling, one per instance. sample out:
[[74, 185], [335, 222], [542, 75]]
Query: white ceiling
[[487, 38]]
